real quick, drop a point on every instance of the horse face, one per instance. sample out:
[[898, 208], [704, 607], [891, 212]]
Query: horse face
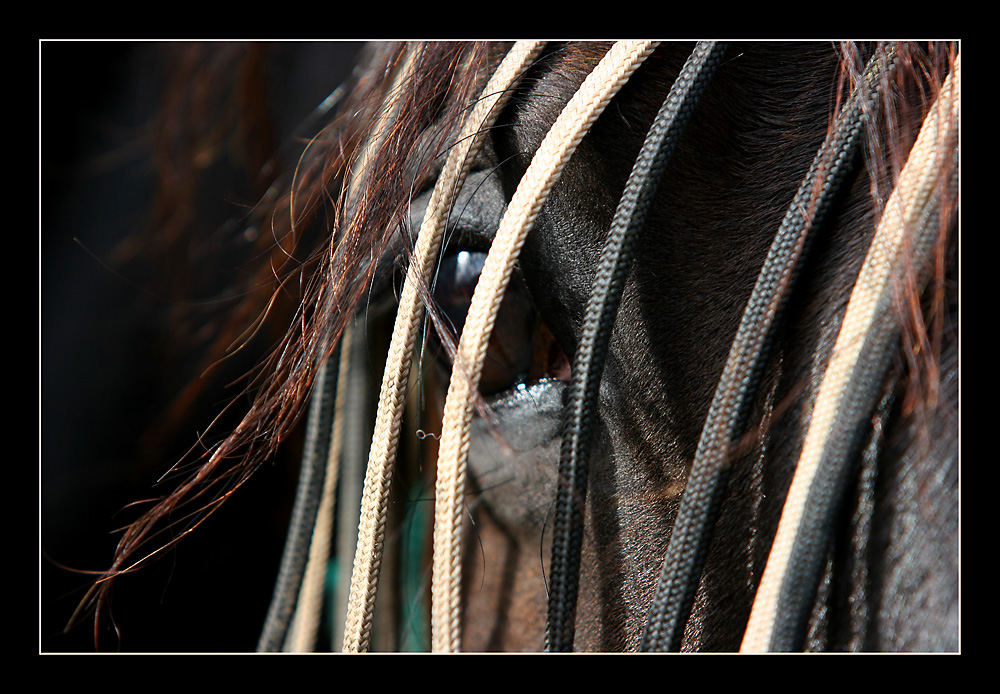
[[676, 319], [757, 128], [891, 579]]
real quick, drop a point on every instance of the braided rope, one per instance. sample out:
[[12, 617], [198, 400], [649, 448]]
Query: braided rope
[[358, 426], [599, 319], [546, 166], [906, 233], [301, 636], [695, 520], [371, 532], [304, 509], [312, 473]]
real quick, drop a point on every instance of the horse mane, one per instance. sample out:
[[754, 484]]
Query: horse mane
[[317, 250], [926, 307], [305, 239]]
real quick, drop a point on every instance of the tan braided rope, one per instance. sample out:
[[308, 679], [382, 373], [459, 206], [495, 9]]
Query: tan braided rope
[[304, 624], [301, 636], [354, 457], [392, 397], [388, 111], [307, 587], [905, 234], [546, 166]]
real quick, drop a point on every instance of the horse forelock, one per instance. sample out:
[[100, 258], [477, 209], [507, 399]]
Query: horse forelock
[[306, 239]]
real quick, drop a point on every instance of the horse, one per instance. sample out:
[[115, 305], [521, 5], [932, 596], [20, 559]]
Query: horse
[[614, 289]]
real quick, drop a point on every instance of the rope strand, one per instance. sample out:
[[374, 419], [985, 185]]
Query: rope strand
[[695, 520], [300, 528], [609, 280], [364, 580], [319, 430], [847, 392], [301, 636], [546, 166]]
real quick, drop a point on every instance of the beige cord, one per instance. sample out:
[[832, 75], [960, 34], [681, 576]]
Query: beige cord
[[301, 636], [546, 166], [357, 439], [391, 102], [906, 233], [392, 398]]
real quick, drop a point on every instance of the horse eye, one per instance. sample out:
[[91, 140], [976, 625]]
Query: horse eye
[[509, 357], [456, 281]]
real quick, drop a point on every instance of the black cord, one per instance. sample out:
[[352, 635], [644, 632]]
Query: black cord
[[616, 258], [695, 521], [839, 462], [312, 476]]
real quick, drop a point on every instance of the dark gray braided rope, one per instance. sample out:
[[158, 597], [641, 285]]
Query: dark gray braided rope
[[692, 529], [616, 258]]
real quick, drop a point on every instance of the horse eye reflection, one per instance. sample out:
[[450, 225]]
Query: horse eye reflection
[[509, 357], [456, 281]]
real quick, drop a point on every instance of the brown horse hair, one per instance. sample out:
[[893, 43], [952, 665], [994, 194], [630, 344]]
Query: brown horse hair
[[920, 300], [334, 275]]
